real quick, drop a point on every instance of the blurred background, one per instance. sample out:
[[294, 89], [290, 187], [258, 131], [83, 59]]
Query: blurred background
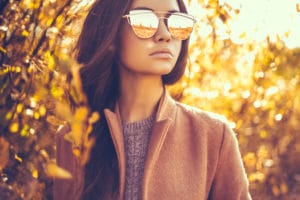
[[244, 64]]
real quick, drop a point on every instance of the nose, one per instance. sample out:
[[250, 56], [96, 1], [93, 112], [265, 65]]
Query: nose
[[162, 33]]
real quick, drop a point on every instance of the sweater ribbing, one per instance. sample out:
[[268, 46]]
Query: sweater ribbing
[[136, 139]]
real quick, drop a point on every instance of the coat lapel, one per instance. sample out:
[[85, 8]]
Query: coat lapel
[[164, 119], [158, 136], [113, 121]]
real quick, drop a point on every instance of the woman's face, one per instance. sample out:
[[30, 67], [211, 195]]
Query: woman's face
[[154, 56]]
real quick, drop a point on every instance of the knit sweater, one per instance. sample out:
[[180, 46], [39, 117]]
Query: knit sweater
[[136, 139]]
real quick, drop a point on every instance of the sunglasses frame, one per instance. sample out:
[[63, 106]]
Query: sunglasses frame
[[168, 13]]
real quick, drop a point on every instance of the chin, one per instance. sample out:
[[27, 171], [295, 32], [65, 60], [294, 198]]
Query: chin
[[163, 69], [167, 71]]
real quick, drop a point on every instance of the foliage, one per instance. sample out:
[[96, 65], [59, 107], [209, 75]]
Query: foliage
[[255, 85], [40, 90]]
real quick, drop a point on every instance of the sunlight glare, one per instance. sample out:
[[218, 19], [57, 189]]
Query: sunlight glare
[[258, 19], [262, 18]]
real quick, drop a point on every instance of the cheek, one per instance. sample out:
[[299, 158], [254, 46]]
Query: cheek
[[133, 51], [126, 40], [130, 51]]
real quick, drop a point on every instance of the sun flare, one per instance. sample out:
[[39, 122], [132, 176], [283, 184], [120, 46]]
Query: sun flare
[[258, 19]]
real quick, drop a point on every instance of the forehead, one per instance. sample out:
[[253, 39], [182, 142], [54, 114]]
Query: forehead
[[156, 5]]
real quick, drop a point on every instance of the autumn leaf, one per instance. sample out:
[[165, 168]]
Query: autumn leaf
[[53, 170]]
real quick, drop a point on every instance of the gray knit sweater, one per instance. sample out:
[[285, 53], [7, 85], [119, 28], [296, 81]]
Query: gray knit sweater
[[136, 138]]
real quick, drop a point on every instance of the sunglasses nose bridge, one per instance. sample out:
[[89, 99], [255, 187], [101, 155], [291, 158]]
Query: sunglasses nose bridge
[[163, 21]]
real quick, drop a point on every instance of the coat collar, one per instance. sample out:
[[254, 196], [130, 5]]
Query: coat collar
[[164, 118], [166, 108]]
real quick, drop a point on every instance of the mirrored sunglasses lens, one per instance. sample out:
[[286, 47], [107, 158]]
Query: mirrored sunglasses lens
[[180, 27], [144, 25]]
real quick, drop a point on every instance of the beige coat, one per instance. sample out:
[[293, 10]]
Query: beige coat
[[192, 155]]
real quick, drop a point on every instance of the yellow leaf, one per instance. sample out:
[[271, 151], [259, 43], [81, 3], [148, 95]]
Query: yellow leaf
[[36, 115], [76, 133], [31, 5], [42, 110], [35, 173], [8, 115], [44, 153], [25, 33], [76, 152], [25, 131], [81, 114], [263, 152], [256, 176], [57, 92], [19, 108], [50, 59], [263, 134], [2, 49], [52, 170], [89, 129], [49, 21], [87, 151], [18, 69], [19, 159], [94, 117], [76, 82], [14, 127], [250, 159], [60, 21]]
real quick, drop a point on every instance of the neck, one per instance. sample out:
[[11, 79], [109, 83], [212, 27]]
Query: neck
[[139, 97]]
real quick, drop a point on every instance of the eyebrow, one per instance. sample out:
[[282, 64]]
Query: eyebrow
[[146, 8]]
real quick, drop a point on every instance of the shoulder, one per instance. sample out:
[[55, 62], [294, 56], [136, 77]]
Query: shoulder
[[212, 126], [202, 116]]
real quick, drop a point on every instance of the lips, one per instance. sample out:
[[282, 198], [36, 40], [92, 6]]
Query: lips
[[162, 53]]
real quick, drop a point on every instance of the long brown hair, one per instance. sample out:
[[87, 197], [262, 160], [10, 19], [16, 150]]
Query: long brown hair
[[97, 52]]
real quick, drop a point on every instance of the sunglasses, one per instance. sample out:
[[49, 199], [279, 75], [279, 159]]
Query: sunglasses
[[144, 23]]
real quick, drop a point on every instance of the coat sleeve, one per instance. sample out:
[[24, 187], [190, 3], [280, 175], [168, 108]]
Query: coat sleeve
[[67, 189], [230, 182]]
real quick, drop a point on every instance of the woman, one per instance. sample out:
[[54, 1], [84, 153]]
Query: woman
[[148, 146]]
